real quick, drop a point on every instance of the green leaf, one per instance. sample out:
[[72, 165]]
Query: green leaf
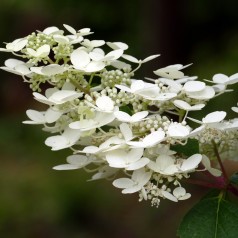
[[212, 217], [127, 109], [190, 148]]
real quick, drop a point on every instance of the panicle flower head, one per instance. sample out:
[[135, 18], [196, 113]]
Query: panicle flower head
[[115, 123]]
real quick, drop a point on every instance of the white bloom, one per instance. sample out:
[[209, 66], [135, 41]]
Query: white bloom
[[138, 180], [198, 90], [41, 52], [223, 79], [135, 60], [98, 55], [37, 117], [187, 107], [100, 119], [49, 70], [177, 130], [147, 90], [57, 97], [164, 164], [130, 160], [68, 138], [191, 163], [82, 61], [172, 71], [173, 86], [104, 171], [207, 164], [92, 44], [74, 162], [179, 193], [15, 46], [150, 140], [125, 117], [103, 104], [17, 67]]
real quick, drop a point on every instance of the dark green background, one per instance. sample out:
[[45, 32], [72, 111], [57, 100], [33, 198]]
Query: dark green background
[[36, 201]]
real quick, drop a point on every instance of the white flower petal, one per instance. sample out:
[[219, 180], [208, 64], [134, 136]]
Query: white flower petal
[[138, 164], [95, 66], [123, 183], [105, 103], [214, 117], [79, 58], [66, 167], [177, 130], [126, 131], [35, 116], [191, 163], [70, 29], [169, 196], [52, 115], [117, 45], [52, 69], [130, 58], [149, 58], [194, 86]]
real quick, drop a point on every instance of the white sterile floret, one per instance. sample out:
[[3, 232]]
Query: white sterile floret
[[224, 79], [139, 86], [129, 160], [104, 172], [137, 182], [37, 117], [171, 72], [150, 140], [100, 119], [41, 52], [74, 162], [147, 91], [164, 164], [68, 138], [57, 97], [207, 164], [125, 117], [173, 86], [135, 60], [92, 44], [179, 193], [187, 107], [16, 67], [81, 60], [177, 130], [198, 90], [15, 46], [49, 70], [98, 55]]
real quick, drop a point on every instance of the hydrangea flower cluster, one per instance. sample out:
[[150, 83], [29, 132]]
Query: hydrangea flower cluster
[[119, 127]]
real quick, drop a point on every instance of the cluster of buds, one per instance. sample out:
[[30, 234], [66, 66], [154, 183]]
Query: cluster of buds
[[131, 131]]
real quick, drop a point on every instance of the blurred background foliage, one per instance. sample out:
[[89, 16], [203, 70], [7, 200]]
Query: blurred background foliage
[[36, 201]]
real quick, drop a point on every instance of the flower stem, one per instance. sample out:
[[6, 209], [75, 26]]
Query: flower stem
[[220, 162]]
